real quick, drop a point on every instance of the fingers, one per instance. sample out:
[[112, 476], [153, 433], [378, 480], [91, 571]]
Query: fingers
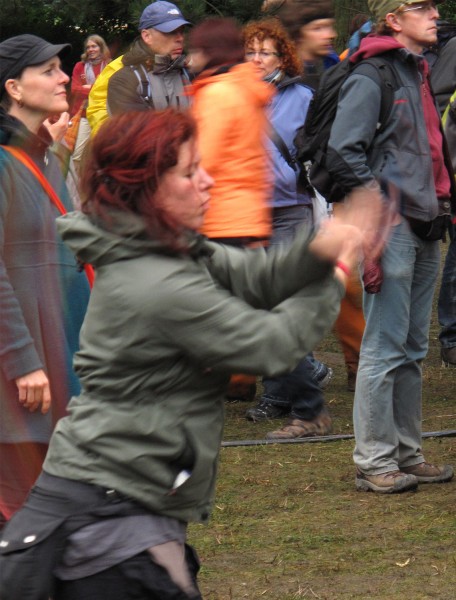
[[57, 127], [34, 391]]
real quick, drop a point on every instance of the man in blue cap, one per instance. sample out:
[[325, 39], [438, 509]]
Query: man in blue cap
[[153, 74]]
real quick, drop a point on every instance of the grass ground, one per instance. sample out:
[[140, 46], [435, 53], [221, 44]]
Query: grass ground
[[288, 522]]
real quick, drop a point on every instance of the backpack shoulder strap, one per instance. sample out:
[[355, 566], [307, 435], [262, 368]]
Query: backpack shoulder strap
[[380, 70], [25, 159], [279, 143], [144, 83]]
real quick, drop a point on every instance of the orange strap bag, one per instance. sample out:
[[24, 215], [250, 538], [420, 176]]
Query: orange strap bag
[[21, 156]]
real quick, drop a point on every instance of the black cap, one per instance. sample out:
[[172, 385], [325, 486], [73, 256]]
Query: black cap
[[22, 51]]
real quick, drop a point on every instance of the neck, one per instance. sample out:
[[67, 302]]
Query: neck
[[31, 120], [411, 45]]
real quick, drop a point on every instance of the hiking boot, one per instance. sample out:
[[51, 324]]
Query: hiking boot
[[448, 356], [427, 473], [300, 428], [324, 378], [265, 410], [392, 482]]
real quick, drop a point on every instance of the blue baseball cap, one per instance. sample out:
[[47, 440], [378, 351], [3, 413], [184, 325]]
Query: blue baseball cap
[[162, 16]]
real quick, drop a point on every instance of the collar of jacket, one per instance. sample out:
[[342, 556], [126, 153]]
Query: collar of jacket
[[140, 53], [14, 133]]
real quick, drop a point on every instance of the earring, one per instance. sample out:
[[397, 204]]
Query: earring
[[20, 103]]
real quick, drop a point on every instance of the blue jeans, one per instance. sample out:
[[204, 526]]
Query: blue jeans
[[298, 390], [387, 406], [447, 298]]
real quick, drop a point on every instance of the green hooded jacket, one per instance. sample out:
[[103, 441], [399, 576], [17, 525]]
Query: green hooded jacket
[[162, 334]]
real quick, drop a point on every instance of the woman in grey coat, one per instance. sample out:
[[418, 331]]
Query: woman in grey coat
[[42, 295]]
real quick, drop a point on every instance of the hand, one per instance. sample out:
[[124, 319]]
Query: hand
[[34, 391], [58, 126], [364, 220], [365, 209], [86, 86]]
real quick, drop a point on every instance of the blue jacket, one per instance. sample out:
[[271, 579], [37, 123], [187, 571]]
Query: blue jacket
[[288, 111]]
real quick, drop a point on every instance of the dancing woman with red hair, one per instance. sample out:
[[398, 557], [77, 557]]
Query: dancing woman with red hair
[[171, 316]]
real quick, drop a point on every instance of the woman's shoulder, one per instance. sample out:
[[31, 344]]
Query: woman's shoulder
[[78, 67]]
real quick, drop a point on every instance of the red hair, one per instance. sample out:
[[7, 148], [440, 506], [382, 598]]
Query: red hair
[[273, 30], [125, 163]]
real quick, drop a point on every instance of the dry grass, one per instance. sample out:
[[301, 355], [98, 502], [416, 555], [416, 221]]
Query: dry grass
[[288, 523]]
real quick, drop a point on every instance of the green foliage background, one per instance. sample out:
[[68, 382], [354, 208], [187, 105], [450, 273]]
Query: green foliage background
[[115, 20]]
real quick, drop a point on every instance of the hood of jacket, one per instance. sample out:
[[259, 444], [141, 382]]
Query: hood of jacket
[[140, 53], [120, 236], [287, 81], [243, 74], [372, 45]]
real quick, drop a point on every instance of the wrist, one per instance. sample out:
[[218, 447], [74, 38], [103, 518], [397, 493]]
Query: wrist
[[343, 267]]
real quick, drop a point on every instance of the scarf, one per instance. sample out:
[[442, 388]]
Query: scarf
[[89, 72]]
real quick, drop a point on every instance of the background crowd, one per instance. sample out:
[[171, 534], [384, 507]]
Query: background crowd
[[215, 264]]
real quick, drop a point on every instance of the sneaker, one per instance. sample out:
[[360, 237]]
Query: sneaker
[[392, 482], [265, 410], [427, 473], [324, 379], [448, 356], [300, 428]]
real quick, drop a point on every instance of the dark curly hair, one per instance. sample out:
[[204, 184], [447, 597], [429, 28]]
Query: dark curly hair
[[273, 30]]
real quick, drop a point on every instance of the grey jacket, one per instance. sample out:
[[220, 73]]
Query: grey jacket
[[147, 81], [162, 335], [43, 297], [399, 155]]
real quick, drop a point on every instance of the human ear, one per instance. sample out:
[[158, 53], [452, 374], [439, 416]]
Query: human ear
[[12, 87], [393, 22]]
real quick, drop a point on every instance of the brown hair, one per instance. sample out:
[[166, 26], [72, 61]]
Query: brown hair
[[220, 39], [271, 29]]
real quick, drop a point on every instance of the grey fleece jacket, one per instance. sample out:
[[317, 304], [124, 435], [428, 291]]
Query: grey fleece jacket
[[162, 335], [398, 156]]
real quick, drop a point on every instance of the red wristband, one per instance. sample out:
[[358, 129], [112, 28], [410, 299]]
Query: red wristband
[[343, 267]]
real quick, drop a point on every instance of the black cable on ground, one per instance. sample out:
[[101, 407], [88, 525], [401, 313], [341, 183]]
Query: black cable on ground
[[323, 438]]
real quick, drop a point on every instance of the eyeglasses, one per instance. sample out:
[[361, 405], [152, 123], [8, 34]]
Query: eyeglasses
[[423, 6], [262, 54]]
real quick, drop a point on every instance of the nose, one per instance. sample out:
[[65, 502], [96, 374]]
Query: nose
[[64, 77], [206, 181]]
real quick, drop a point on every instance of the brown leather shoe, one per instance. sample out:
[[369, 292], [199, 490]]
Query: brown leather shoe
[[427, 473], [392, 482], [300, 428]]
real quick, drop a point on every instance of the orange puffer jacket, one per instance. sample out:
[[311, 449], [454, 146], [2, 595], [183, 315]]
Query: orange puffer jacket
[[230, 110]]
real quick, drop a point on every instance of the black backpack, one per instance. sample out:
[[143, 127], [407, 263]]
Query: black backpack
[[312, 138]]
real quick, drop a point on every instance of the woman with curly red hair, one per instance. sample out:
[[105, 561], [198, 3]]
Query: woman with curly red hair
[[272, 53]]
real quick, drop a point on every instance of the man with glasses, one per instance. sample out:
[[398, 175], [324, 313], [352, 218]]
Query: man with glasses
[[406, 163]]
